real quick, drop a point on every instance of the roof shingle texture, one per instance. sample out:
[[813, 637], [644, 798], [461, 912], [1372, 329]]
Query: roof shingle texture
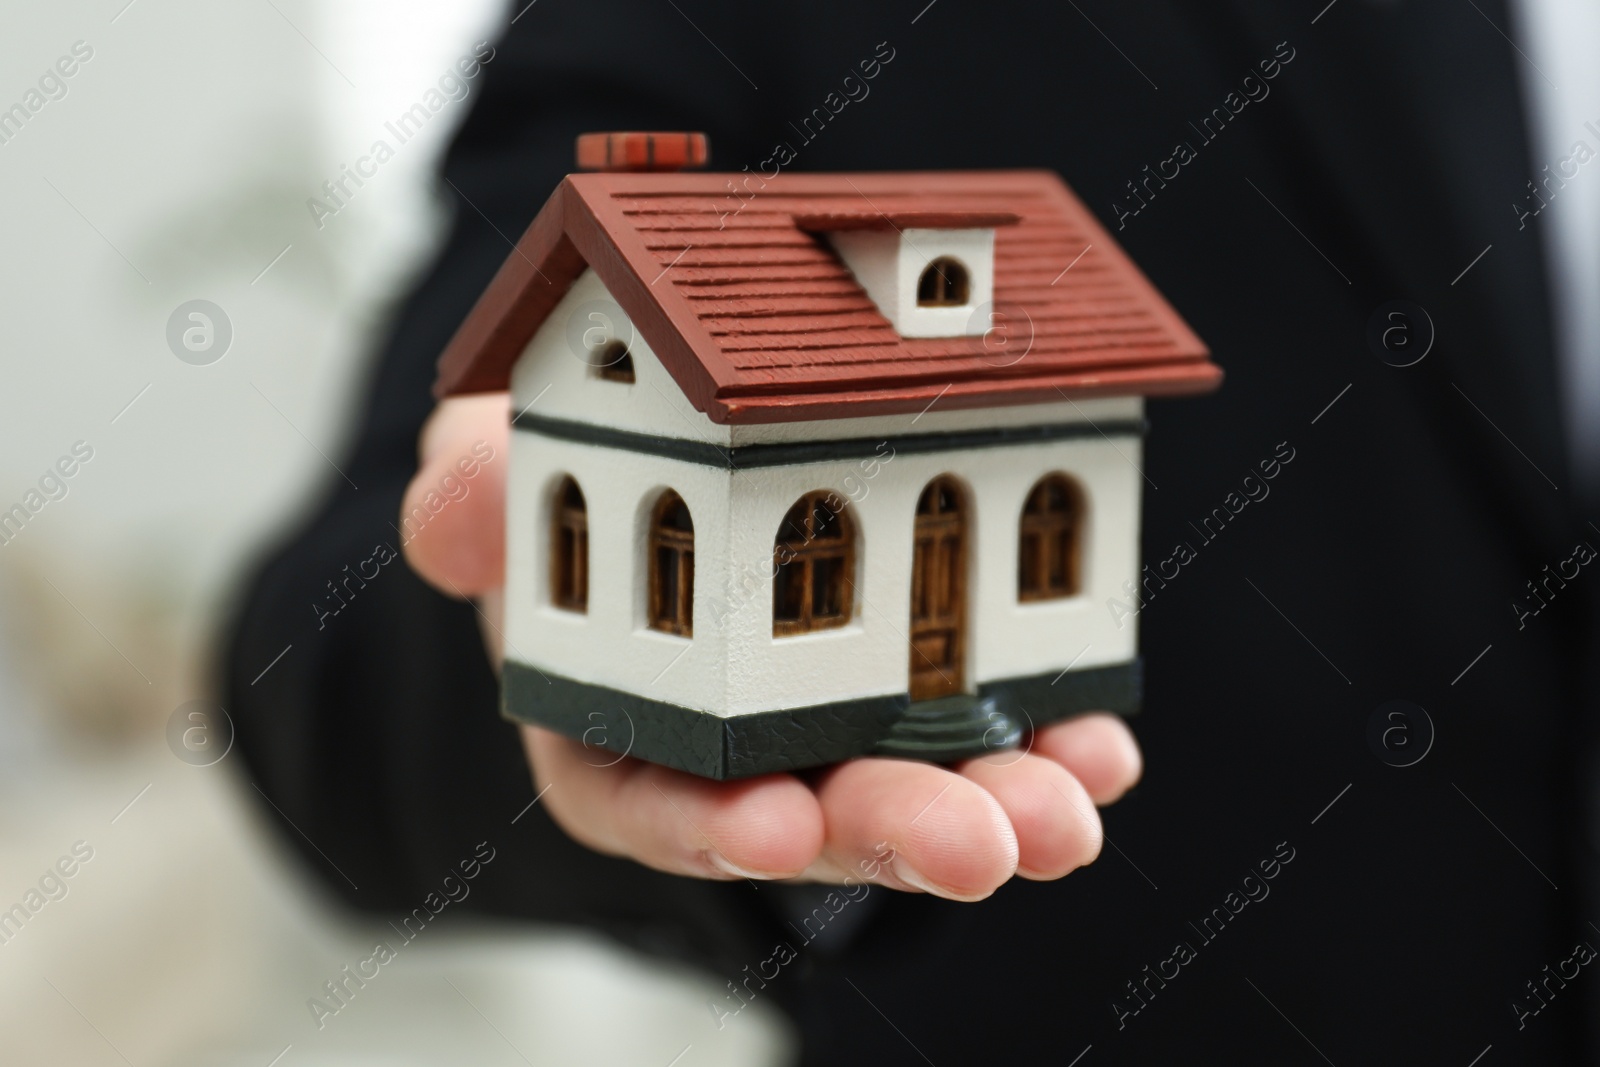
[[733, 285]]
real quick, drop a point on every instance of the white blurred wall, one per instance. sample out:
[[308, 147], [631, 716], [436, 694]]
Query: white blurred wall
[[178, 166]]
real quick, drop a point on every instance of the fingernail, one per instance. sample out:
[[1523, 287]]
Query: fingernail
[[915, 879], [720, 862]]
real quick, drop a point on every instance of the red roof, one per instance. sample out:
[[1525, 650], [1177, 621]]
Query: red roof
[[758, 320]]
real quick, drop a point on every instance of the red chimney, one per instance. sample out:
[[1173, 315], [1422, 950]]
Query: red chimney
[[642, 151]]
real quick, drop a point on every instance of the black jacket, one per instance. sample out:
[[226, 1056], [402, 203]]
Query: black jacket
[[1383, 153]]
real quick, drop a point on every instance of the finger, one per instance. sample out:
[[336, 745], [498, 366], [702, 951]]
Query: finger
[[459, 418], [1099, 751], [767, 827], [1056, 825], [948, 836], [452, 519]]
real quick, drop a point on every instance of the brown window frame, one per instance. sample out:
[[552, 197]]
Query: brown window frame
[[947, 283], [1053, 537], [569, 548], [616, 363], [808, 549], [671, 611]]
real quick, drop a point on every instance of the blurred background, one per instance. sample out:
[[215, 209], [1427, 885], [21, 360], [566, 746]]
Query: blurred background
[[175, 164]]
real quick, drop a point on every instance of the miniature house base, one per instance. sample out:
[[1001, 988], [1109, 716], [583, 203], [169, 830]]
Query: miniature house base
[[738, 746]]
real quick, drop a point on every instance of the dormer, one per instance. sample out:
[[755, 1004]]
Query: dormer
[[930, 273]]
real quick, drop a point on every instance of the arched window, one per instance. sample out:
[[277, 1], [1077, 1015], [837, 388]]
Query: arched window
[[1047, 548], [813, 560], [672, 566], [943, 283], [614, 363], [569, 555]]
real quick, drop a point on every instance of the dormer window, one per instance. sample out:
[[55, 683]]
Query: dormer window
[[944, 283], [931, 274]]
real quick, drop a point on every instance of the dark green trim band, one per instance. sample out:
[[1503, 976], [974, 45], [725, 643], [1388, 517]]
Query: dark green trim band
[[1041, 698], [612, 723], [785, 453]]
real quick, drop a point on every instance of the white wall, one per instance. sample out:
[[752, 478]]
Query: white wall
[[734, 663], [191, 142], [554, 377], [1005, 639], [178, 166], [612, 643]]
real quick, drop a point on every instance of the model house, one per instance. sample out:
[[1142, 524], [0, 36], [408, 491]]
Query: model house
[[821, 465]]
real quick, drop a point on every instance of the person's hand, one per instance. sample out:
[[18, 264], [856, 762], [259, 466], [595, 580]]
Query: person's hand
[[957, 832]]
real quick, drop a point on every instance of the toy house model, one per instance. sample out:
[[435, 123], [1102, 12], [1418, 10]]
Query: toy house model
[[817, 466]]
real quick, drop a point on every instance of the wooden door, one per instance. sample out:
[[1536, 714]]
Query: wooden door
[[938, 592]]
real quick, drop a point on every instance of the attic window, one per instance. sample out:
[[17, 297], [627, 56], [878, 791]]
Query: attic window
[[614, 363], [944, 283]]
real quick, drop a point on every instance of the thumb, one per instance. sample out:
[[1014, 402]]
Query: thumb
[[452, 518]]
